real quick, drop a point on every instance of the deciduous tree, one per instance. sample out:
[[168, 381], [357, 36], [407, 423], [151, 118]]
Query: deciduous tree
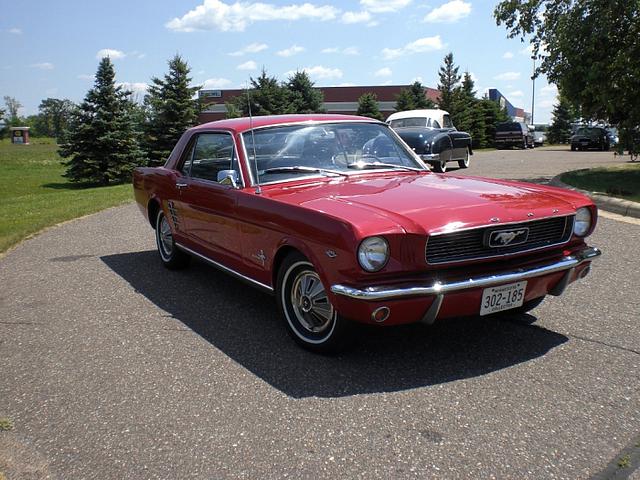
[[588, 48]]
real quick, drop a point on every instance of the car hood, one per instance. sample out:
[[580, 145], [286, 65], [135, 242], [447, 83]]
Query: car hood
[[429, 203]]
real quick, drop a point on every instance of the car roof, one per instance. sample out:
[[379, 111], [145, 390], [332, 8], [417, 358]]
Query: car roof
[[428, 113], [243, 124]]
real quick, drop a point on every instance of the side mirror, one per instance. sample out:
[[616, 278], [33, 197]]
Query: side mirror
[[228, 177]]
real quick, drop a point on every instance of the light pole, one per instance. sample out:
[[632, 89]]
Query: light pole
[[533, 90]]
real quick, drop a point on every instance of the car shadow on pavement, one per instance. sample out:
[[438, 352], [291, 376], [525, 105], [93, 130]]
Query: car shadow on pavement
[[245, 325]]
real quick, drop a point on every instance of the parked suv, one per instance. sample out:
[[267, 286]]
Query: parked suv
[[513, 134]]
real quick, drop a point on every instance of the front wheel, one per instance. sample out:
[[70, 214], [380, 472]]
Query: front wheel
[[303, 301], [440, 167], [465, 162], [171, 256]]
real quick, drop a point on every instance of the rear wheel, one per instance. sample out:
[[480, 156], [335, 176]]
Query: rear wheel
[[171, 256], [573, 148], [465, 162], [303, 301]]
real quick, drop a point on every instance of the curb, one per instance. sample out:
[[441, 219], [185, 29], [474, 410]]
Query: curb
[[604, 202]]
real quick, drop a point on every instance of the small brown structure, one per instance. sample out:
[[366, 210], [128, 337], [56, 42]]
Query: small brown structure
[[19, 135]]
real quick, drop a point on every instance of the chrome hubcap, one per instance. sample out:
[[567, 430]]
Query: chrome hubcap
[[166, 239], [310, 302]]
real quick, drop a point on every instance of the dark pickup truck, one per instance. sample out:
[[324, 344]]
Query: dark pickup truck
[[513, 134]]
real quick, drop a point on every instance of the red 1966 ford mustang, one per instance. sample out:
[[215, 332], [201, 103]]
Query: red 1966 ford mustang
[[344, 223]]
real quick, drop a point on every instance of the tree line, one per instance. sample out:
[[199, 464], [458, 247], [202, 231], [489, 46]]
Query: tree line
[[108, 134]]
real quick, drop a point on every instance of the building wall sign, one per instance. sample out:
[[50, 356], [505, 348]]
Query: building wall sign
[[210, 94]]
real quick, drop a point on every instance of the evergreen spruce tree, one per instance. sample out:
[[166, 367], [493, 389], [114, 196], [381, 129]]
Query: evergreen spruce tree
[[560, 128], [492, 115], [466, 113], [232, 109], [368, 106], [420, 101], [404, 101], [449, 79], [267, 96], [101, 144], [302, 96], [172, 110]]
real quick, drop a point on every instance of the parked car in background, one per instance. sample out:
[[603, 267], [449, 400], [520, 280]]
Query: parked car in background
[[539, 138], [513, 134], [587, 138], [343, 223], [431, 134], [614, 139]]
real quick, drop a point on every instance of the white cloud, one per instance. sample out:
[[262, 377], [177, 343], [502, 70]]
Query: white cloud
[[549, 90], [250, 65], [516, 93], [218, 15], [319, 72], [86, 76], [251, 48], [528, 51], [356, 17], [383, 72], [507, 55], [449, 12], [215, 83], [43, 66], [136, 88], [111, 53], [343, 51], [291, 51], [15, 31], [546, 103], [383, 5], [508, 76], [426, 44], [346, 84], [137, 54]]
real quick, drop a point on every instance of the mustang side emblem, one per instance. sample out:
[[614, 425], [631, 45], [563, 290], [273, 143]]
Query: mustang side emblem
[[502, 238]]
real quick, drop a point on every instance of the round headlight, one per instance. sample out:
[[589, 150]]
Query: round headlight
[[373, 253], [582, 222]]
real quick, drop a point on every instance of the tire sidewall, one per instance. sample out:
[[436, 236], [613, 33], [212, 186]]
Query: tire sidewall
[[293, 267]]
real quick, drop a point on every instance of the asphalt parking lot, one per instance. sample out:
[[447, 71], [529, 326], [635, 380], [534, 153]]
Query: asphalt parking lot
[[113, 367]]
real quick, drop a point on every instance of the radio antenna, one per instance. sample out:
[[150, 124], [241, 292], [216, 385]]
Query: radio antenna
[[253, 143]]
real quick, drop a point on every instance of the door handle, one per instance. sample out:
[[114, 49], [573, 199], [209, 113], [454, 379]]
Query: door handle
[[181, 185]]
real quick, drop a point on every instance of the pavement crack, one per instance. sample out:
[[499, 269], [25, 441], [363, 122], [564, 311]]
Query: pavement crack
[[623, 464], [20, 323], [599, 342]]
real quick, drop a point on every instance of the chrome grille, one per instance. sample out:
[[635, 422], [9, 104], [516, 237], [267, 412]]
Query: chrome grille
[[472, 245]]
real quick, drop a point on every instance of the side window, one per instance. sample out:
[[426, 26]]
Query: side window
[[435, 124], [428, 122], [213, 152], [447, 121], [187, 156]]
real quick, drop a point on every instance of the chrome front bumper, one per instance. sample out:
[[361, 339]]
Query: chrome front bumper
[[567, 263], [430, 157]]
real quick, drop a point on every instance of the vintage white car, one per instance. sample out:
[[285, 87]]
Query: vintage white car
[[431, 134]]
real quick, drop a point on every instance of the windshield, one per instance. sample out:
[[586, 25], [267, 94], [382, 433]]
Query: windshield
[[588, 132], [409, 122], [330, 149]]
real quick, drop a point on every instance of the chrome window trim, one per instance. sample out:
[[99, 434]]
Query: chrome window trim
[[226, 269], [235, 151], [500, 255], [401, 143]]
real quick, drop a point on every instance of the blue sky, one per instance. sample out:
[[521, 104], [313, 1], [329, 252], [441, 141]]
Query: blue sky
[[51, 49]]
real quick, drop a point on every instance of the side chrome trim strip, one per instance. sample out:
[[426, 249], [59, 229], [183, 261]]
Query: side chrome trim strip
[[219, 266], [438, 288]]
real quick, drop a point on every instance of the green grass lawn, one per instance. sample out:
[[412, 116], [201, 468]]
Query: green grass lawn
[[35, 195], [622, 181]]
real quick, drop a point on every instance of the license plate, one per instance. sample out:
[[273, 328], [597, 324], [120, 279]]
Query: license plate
[[504, 297]]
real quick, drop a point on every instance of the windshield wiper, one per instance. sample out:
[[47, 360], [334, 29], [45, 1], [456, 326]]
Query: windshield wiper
[[303, 169], [368, 165]]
